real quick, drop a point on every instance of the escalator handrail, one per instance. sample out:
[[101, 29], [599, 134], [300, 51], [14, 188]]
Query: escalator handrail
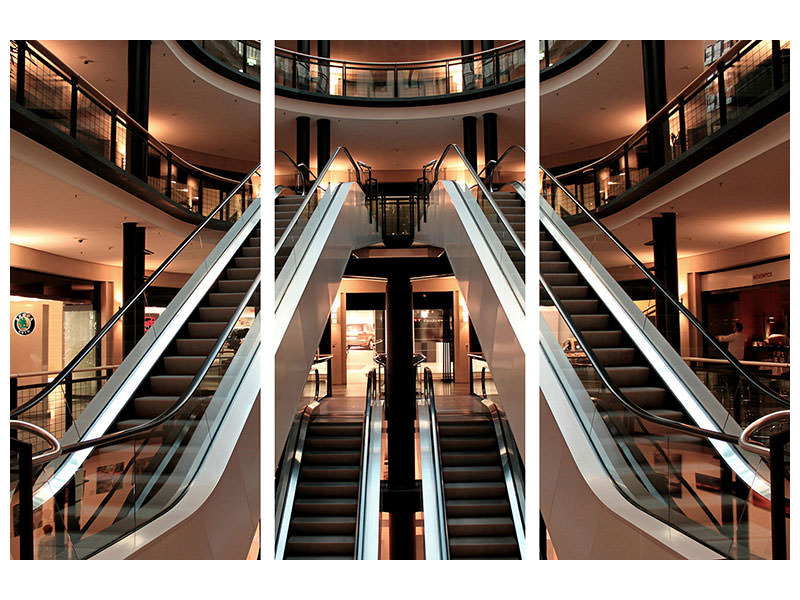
[[136, 431], [313, 189], [692, 430], [130, 122], [745, 439], [45, 392], [482, 186], [305, 173], [687, 90], [364, 549], [52, 441], [430, 398], [674, 301], [494, 163]]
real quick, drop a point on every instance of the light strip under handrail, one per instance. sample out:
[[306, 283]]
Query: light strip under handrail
[[313, 189], [55, 445], [745, 439], [131, 301], [501, 216], [695, 83], [674, 301]]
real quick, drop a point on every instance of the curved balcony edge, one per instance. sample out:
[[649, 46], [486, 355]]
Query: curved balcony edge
[[572, 60], [757, 117], [497, 90], [35, 128], [218, 66]]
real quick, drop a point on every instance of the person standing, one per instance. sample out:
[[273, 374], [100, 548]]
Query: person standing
[[735, 341]]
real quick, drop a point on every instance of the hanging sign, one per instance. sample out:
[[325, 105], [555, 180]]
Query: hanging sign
[[24, 323]]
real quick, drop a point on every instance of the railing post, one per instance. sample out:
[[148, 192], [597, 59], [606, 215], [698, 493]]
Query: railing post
[[200, 195], [597, 199], [777, 475], [546, 54], [68, 401], [244, 56], [447, 77], [777, 67], [168, 186], [22, 51], [395, 82], [294, 71], [13, 391], [483, 382], [112, 142], [73, 108], [682, 124], [471, 382], [723, 108], [25, 492], [626, 166]]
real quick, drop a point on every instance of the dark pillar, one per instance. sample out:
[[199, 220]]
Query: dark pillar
[[132, 279], [489, 140], [489, 67], [467, 65], [665, 259], [138, 104], [471, 141], [655, 97], [303, 72], [323, 79], [400, 414], [323, 143], [304, 143]]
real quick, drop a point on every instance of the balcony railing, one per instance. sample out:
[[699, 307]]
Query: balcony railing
[[552, 52], [749, 73], [242, 56], [400, 80], [46, 87]]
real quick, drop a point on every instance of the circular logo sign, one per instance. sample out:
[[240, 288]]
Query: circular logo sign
[[24, 323]]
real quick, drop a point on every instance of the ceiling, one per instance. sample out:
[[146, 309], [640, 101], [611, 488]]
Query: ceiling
[[185, 110], [746, 204], [607, 103]]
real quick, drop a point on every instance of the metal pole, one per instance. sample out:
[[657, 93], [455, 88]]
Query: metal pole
[[25, 493], [777, 471]]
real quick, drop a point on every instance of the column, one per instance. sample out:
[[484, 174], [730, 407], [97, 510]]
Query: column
[[303, 144], [302, 67], [400, 414], [471, 141], [665, 259], [133, 239], [323, 77], [489, 141], [467, 66], [489, 68], [138, 104], [655, 97], [323, 143]]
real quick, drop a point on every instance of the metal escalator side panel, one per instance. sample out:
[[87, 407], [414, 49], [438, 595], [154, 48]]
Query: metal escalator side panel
[[306, 289], [433, 509], [699, 403], [492, 289], [575, 485], [220, 478], [104, 408], [369, 507]]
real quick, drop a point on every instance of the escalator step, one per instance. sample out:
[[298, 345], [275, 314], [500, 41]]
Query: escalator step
[[325, 506], [472, 443], [474, 490], [472, 473], [229, 299], [251, 251], [248, 261], [242, 272], [555, 267], [480, 526], [578, 307], [549, 255], [333, 442], [195, 346], [206, 329], [234, 285], [479, 546], [629, 376], [590, 322], [182, 365], [149, 407], [615, 356], [323, 525], [465, 457], [561, 278], [467, 428], [327, 489], [477, 507], [216, 313], [545, 245], [169, 385], [332, 457], [570, 292], [600, 338], [320, 544], [347, 429], [329, 472]]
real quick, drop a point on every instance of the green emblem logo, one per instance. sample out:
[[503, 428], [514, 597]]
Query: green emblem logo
[[24, 323]]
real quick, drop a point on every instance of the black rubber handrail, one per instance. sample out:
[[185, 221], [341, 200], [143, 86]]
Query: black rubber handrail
[[617, 393], [136, 431], [129, 121], [313, 189], [127, 306], [695, 84], [664, 292], [302, 168], [493, 164]]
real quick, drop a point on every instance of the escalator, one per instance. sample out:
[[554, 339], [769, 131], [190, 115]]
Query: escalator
[[187, 391], [615, 390]]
